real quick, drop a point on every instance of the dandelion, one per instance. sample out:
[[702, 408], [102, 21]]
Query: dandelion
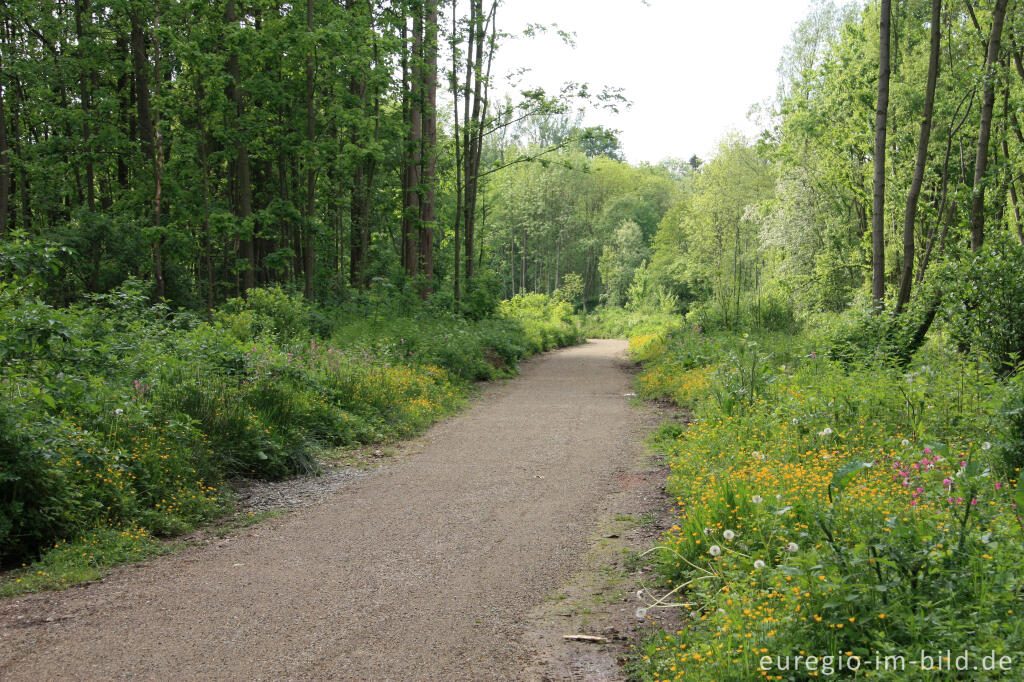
[[904, 442], [118, 412], [759, 564], [714, 550], [728, 535], [757, 499], [792, 547], [641, 613], [827, 431], [986, 445], [757, 455]]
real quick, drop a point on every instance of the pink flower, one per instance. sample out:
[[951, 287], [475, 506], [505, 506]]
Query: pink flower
[[947, 482], [974, 502], [998, 485]]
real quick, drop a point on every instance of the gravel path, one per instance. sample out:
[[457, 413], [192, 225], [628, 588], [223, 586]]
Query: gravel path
[[425, 569]]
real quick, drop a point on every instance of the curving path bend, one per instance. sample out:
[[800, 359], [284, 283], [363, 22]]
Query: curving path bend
[[424, 570]]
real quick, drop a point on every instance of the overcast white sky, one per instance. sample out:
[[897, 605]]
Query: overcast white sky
[[692, 68]]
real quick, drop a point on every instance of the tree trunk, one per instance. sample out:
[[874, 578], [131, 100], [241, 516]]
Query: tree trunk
[[5, 166], [81, 8], [456, 283], [910, 214], [878, 205], [244, 201], [158, 170], [985, 127], [429, 133], [414, 144], [308, 255]]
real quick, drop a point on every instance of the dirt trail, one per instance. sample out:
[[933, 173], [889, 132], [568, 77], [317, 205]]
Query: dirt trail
[[426, 569]]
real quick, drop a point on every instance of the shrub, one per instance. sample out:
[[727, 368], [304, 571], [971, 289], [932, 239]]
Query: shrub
[[984, 302]]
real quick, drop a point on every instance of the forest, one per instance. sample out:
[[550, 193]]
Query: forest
[[236, 236]]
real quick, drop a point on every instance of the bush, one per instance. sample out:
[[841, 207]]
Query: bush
[[482, 295], [546, 322], [984, 302], [616, 323]]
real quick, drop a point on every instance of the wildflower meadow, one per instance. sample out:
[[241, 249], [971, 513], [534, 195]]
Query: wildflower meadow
[[863, 516]]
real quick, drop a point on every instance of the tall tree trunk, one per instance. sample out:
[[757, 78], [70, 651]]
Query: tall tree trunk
[[158, 171], [308, 255], [954, 128], [473, 29], [5, 164], [81, 10], [140, 69], [475, 126], [910, 214], [414, 144], [457, 242], [878, 204], [985, 127], [244, 202], [204, 167], [429, 132]]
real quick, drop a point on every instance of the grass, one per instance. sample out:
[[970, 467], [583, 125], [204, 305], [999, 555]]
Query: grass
[[83, 560]]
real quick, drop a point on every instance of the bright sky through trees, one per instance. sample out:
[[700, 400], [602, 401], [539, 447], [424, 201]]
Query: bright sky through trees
[[692, 69]]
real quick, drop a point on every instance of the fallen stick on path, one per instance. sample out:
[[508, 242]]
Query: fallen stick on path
[[586, 638]]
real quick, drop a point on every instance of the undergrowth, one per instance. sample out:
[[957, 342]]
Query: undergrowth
[[854, 512], [120, 421]]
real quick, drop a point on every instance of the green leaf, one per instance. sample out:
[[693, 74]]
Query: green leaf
[[845, 474]]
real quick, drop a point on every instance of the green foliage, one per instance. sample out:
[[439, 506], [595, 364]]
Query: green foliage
[[570, 290], [124, 417], [984, 302], [618, 323], [829, 508], [482, 295], [646, 296], [1010, 426], [620, 259], [546, 322], [268, 311]]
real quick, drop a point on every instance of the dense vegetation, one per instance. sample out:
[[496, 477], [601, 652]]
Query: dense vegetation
[[236, 235], [125, 419], [850, 355], [851, 512]]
